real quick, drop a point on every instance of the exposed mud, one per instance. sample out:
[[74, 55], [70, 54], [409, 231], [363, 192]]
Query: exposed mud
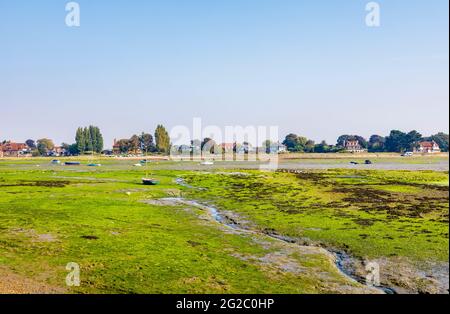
[[302, 164], [49, 184], [12, 283], [34, 235], [396, 276], [406, 278], [282, 260], [396, 205]]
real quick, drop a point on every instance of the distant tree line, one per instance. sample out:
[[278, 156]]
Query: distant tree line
[[397, 141], [90, 139], [137, 143], [146, 143], [87, 140]]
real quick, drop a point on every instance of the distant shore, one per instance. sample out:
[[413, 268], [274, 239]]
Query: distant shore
[[283, 156]]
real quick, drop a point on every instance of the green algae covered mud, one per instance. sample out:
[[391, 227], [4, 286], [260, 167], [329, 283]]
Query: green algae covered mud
[[397, 219], [221, 229]]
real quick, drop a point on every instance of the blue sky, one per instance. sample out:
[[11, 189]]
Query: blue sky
[[311, 67]]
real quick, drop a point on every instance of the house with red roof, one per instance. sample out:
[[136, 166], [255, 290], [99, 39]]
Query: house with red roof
[[353, 146], [11, 149], [427, 147]]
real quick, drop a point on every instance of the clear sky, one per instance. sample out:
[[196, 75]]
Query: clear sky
[[312, 67]]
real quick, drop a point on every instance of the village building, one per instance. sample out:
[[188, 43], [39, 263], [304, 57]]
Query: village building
[[274, 148], [427, 147], [353, 146], [116, 148], [278, 148], [57, 151], [11, 149]]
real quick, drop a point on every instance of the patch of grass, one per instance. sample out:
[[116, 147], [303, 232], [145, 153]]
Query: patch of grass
[[53, 215], [370, 214]]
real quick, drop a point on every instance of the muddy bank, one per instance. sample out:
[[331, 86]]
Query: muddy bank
[[397, 275], [294, 165], [12, 283], [236, 225]]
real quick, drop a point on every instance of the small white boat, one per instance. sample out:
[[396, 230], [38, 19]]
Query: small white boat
[[207, 163], [137, 165]]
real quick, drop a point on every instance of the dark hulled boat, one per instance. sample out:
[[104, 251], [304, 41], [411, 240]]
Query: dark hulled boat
[[148, 181]]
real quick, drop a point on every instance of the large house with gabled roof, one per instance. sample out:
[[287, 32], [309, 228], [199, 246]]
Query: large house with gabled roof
[[427, 147], [11, 149]]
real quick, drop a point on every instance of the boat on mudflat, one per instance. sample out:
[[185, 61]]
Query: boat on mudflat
[[148, 181]]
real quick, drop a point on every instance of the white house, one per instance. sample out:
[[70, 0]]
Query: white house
[[427, 147]]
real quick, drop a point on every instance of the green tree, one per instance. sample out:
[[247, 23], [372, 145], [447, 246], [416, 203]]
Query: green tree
[[146, 142], [377, 143], [342, 139], [134, 143], [124, 145], [93, 135], [442, 140], [323, 147], [290, 142], [80, 141], [395, 141], [65, 146], [162, 139], [295, 143], [87, 140], [44, 145], [99, 140], [398, 141], [73, 150], [309, 146], [31, 144], [412, 139]]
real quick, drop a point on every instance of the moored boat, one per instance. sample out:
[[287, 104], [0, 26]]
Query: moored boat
[[148, 181]]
